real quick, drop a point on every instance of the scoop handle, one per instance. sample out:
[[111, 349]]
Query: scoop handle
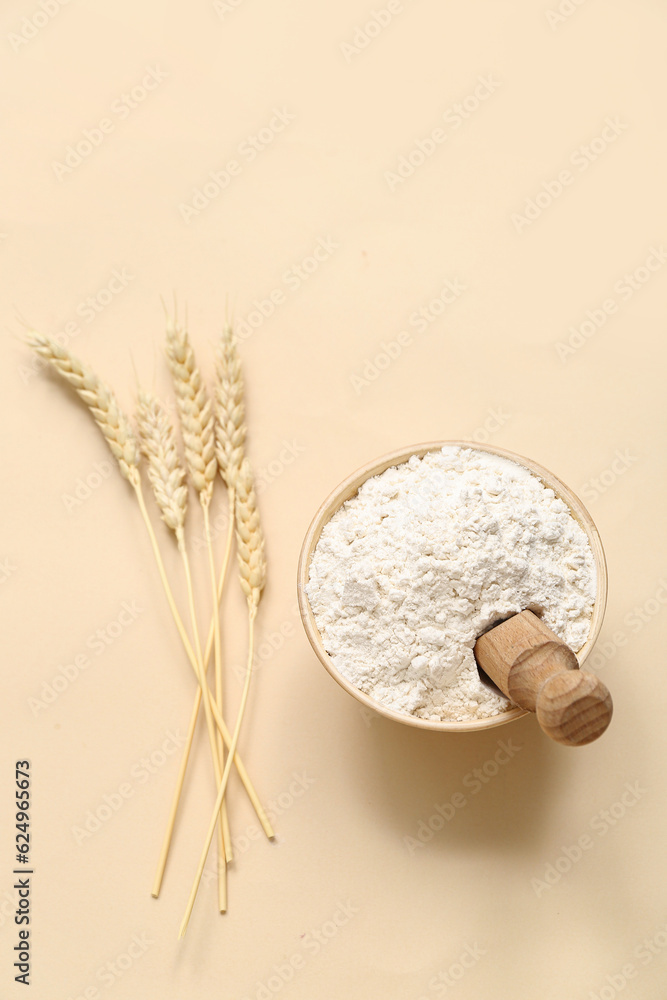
[[539, 672]]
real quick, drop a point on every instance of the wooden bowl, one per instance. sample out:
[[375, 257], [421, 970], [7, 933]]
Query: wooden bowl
[[349, 487]]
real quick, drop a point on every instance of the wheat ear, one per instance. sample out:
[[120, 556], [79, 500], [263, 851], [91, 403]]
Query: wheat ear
[[229, 386], [158, 445], [200, 432], [167, 477], [116, 429], [99, 399], [252, 567], [195, 410], [118, 432], [230, 429], [229, 414], [249, 538], [198, 428]]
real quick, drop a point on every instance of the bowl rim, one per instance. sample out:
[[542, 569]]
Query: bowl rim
[[349, 487]]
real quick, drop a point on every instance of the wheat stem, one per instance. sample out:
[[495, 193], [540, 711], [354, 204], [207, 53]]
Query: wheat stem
[[198, 429], [163, 574], [252, 575], [210, 725], [166, 841], [226, 835], [220, 722], [166, 475], [223, 785], [240, 767], [122, 442]]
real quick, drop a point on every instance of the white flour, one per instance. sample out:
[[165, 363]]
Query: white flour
[[409, 572]]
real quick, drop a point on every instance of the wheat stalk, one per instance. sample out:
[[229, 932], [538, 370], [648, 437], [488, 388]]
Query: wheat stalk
[[119, 435], [99, 399], [116, 428], [249, 538], [252, 567], [158, 445], [230, 430], [230, 438], [167, 477], [230, 435], [167, 482], [226, 835], [226, 737], [195, 410], [220, 722], [198, 429]]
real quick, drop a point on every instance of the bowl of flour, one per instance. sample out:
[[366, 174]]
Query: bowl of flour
[[415, 555]]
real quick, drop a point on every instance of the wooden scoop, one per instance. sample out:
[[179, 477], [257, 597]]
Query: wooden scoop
[[539, 672]]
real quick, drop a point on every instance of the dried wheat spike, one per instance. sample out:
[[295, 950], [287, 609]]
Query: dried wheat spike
[[99, 399], [249, 536], [230, 430], [195, 410], [157, 441]]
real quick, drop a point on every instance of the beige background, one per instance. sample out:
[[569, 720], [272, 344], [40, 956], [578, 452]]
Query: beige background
[[488, 368]]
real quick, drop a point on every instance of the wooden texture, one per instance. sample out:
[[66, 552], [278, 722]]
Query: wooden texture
[[349, 487], [540, 673], [574, 707]]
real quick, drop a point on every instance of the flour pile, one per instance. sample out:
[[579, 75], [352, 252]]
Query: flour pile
[[409, 572]]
